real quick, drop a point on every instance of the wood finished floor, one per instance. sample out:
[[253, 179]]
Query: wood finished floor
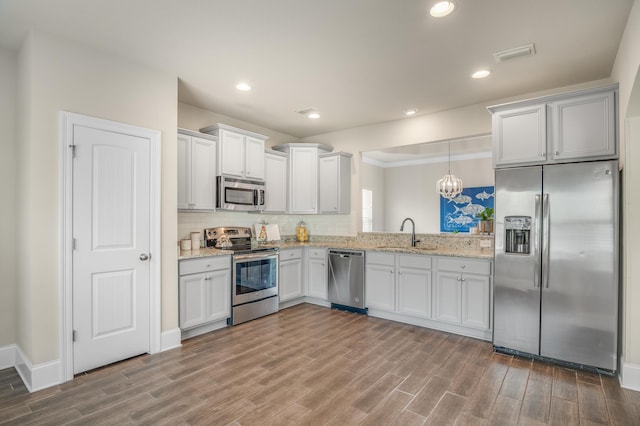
[[311, 365]]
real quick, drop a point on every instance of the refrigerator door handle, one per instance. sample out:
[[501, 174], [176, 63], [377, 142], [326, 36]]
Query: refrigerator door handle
[[545, 240], [536, 243]]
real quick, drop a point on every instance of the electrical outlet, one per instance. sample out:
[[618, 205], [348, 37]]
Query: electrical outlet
[[485, 243]]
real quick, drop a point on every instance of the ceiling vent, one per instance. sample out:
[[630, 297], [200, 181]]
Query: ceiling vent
[[516, 52]]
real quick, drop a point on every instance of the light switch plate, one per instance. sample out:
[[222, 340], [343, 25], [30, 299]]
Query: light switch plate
[[485, 243]]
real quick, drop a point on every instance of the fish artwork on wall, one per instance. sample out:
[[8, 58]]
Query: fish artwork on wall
[[460, 213]]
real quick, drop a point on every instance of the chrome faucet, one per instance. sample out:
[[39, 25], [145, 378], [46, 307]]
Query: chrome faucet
[[413, 231]]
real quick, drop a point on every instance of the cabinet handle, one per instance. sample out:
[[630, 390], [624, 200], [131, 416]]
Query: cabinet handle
[[462, 279], [463, 266], [391, 271], [556, 153]]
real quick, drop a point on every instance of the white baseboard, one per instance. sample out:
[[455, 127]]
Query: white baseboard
[[7, 356], [629, 375], [40, 376], [196, 331], [170, 339]]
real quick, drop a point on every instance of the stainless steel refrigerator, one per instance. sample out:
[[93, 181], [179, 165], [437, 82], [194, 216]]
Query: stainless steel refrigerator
[[556, 262]]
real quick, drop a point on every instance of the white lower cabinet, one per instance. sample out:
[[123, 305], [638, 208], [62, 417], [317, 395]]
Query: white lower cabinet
[[398, 283], [444, 293], [317, 273], [463, 292], [291, 278], [414, 285], [205, 291], [380, 282]]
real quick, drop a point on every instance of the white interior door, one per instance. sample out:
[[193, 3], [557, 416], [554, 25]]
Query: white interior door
[[111, 218]]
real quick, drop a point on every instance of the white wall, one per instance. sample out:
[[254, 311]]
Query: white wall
[[8, 195], [410, 191], [626, 71], [193, 118], [56, 75], [373, 178]]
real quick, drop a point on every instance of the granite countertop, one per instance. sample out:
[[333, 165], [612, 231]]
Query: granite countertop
[[484, 253]]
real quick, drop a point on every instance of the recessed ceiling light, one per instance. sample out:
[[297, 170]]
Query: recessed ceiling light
[[411, 111], [244, 87], [481, 74], [442, 8], [310, 112]]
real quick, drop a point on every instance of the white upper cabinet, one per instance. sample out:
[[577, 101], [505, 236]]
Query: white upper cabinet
[[302, 179], [240, 152], [196, 171], [275, 180], [556, 129], [584, 126], [520, 136], [335, 182]]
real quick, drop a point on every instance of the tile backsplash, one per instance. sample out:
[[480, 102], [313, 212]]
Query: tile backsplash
[[316, 224]]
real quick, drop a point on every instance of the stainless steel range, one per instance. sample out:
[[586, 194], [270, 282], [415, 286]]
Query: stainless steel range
[[254, 286]]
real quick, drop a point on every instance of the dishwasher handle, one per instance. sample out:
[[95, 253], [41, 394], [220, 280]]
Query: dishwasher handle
[[345, 254]]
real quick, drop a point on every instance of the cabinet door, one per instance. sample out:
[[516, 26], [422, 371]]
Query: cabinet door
[[584, 127], [303, 180], [476, 300], [448, 303], [218, 285], [203, 173], [184, 172], [275, 174], [232, 156], [290, 279], [520, 136], [192, 300], [380, 291], [317, 279], [254, 158], [328, 181], [414, 292]]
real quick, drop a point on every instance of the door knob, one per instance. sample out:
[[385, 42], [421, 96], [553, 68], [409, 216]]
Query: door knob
[[144, 256]]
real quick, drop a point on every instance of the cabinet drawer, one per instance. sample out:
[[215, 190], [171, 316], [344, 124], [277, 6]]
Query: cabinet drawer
[[414, 261], [291, 254], [211, 263], [464, 265], [380, 258], [317, 253]]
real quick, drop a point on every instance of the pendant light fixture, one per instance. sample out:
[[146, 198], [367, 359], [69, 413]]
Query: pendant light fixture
[[449, 186]]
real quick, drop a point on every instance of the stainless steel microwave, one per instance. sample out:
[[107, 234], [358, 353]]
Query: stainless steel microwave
[[239, 194]]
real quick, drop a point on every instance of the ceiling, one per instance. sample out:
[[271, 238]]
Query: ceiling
[[431, 152], [357, 62]]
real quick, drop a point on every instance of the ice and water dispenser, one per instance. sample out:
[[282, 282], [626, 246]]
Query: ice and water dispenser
[[518, 234]]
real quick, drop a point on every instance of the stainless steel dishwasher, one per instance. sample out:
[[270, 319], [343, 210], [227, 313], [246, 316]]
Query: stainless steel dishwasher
[[346, 280]]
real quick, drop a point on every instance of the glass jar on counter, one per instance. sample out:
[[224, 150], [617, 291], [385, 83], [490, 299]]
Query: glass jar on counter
[[302, 234]]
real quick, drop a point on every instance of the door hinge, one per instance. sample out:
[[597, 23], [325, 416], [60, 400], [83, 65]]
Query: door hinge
[[73, 244], [73, 336], [73, 151]]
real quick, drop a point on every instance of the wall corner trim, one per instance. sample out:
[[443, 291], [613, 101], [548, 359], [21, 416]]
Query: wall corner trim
[[629, 375], [40, 376], [170, 339]]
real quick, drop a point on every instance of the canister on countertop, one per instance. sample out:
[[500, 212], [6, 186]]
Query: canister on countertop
[[195, 240], [301, 232], [185, 245]]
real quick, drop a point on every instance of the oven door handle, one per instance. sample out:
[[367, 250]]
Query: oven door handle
[[254, 256]]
